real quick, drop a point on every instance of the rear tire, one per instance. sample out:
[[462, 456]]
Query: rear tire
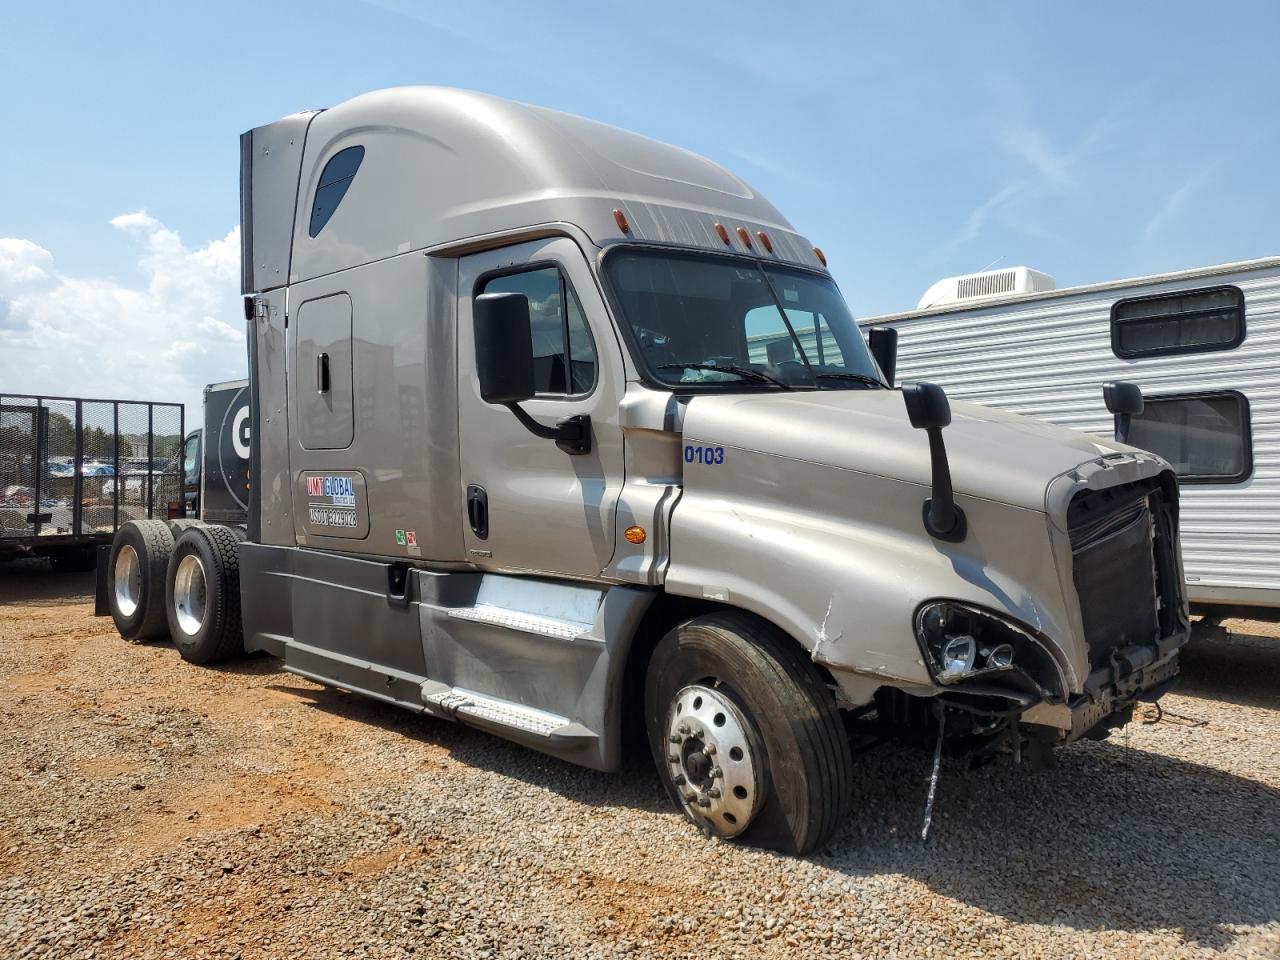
[[750, 693], [136, 579], [202, 595], [181, 525]]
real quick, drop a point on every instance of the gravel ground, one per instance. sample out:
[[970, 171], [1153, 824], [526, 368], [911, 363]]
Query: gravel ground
[[153, 809]]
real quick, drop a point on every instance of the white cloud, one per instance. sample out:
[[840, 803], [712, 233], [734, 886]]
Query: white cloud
[[23, 264], [162, 339]]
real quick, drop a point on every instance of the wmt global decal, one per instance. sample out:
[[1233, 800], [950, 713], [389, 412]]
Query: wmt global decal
[[341, 489]]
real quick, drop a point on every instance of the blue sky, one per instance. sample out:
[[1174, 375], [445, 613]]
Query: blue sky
[[910, 140]]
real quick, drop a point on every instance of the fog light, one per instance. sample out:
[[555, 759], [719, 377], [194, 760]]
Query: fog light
[[958, 656], [1001, 657]]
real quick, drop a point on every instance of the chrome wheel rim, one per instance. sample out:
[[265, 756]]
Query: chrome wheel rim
[[712, 761], [190, 595], [128, 581]]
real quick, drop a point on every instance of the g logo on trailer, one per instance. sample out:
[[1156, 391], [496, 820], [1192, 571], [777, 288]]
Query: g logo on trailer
[[240, 433]]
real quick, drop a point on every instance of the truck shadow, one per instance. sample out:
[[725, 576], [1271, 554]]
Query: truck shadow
[[1094, 843], [30, 580], [1233, 668], [1098, 842]]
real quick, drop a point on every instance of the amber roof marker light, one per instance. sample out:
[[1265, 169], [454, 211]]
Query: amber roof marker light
[[744, 237], [620, 219], [765, 241], [722, 233], [822, 257]]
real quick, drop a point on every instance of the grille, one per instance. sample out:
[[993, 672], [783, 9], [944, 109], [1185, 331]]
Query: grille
[[1122, 551], [986, 284]]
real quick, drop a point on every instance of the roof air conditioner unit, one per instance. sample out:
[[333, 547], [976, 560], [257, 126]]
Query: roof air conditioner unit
[[990, 284]]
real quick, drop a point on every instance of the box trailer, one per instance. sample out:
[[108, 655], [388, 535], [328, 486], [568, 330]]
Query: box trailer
[[1203, 345], [215, 458], [73, 470], [560, 432]]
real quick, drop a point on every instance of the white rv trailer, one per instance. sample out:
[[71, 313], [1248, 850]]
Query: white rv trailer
[[1204, 346]]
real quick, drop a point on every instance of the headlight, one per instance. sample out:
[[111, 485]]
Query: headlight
[[963, 642]]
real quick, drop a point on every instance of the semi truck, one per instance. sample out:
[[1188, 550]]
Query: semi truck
[[568, 435]]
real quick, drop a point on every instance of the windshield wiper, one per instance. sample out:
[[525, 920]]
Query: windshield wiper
[[856, 377], [745, 372]]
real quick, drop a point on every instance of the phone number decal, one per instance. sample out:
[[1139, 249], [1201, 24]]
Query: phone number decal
[[712, 456]]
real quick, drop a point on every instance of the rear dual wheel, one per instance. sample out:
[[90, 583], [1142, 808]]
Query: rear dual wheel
[[746, 735], [202, 601], [136, 579]]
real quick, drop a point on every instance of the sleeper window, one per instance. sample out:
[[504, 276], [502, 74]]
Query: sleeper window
[[1189, 321], [335, 179], [1206, 436], [564, 356]]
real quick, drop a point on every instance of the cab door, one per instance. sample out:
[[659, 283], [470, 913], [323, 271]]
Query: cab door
[[530, 506]]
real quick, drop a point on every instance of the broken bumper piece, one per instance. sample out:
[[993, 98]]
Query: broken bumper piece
[[1107, 707]]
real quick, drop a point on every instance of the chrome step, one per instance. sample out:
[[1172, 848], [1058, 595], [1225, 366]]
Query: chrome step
[[521, 621], [459, 704]]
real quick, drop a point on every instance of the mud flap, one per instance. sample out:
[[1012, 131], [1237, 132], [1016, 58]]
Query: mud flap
[[101, 588]]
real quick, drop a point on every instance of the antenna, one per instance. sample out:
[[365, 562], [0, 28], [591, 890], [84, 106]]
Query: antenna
[[992, 264]]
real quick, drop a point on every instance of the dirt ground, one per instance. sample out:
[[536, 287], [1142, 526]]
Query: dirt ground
[[150, 808]]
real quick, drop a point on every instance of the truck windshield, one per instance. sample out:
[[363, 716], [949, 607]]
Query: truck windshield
[[706, 320]]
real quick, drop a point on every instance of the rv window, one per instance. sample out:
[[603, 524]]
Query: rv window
[[1189, 321], [1205, 436], [335, 178], [556, 319]]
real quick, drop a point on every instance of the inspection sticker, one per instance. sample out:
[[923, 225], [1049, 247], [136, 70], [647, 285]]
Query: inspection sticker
[[411, 538], [400, 538]]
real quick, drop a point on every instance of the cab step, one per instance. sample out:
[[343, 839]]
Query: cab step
[[496, 714], [522, 621]]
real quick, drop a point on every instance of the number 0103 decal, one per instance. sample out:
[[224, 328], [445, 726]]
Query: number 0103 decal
[[713, 456]]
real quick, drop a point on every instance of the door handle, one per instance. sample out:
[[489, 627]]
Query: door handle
[[322, 373], [478, 511]]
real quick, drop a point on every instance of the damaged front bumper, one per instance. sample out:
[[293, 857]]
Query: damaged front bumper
[[1109, 701]]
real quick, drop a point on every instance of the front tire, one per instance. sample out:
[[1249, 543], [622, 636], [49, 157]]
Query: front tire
[[202, 596], [778, 772], [139, 561]]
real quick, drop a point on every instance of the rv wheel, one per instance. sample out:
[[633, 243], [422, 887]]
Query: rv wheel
[[136, 577], [203, 595], [746, 735]]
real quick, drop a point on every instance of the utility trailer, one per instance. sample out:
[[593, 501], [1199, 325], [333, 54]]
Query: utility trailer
[[73, 470], [566, 434], [1203, 346]]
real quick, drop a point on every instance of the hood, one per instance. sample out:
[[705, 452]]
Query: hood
[[994, 455]]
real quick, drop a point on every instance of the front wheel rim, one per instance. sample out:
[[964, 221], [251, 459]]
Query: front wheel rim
[[190, 595], [712, 760], [128, 581]]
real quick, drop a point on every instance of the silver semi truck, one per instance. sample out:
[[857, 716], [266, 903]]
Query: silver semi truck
[[561, 432]]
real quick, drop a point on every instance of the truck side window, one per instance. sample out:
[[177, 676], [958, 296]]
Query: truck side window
[[335, 178], [564, 355], [191, 461]]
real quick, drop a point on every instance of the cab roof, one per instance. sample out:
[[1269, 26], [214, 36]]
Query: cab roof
[[442, 166]]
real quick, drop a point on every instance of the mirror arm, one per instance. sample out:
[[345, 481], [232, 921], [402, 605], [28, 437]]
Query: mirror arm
[[943, 518], [572, 435], [1122, 421]]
